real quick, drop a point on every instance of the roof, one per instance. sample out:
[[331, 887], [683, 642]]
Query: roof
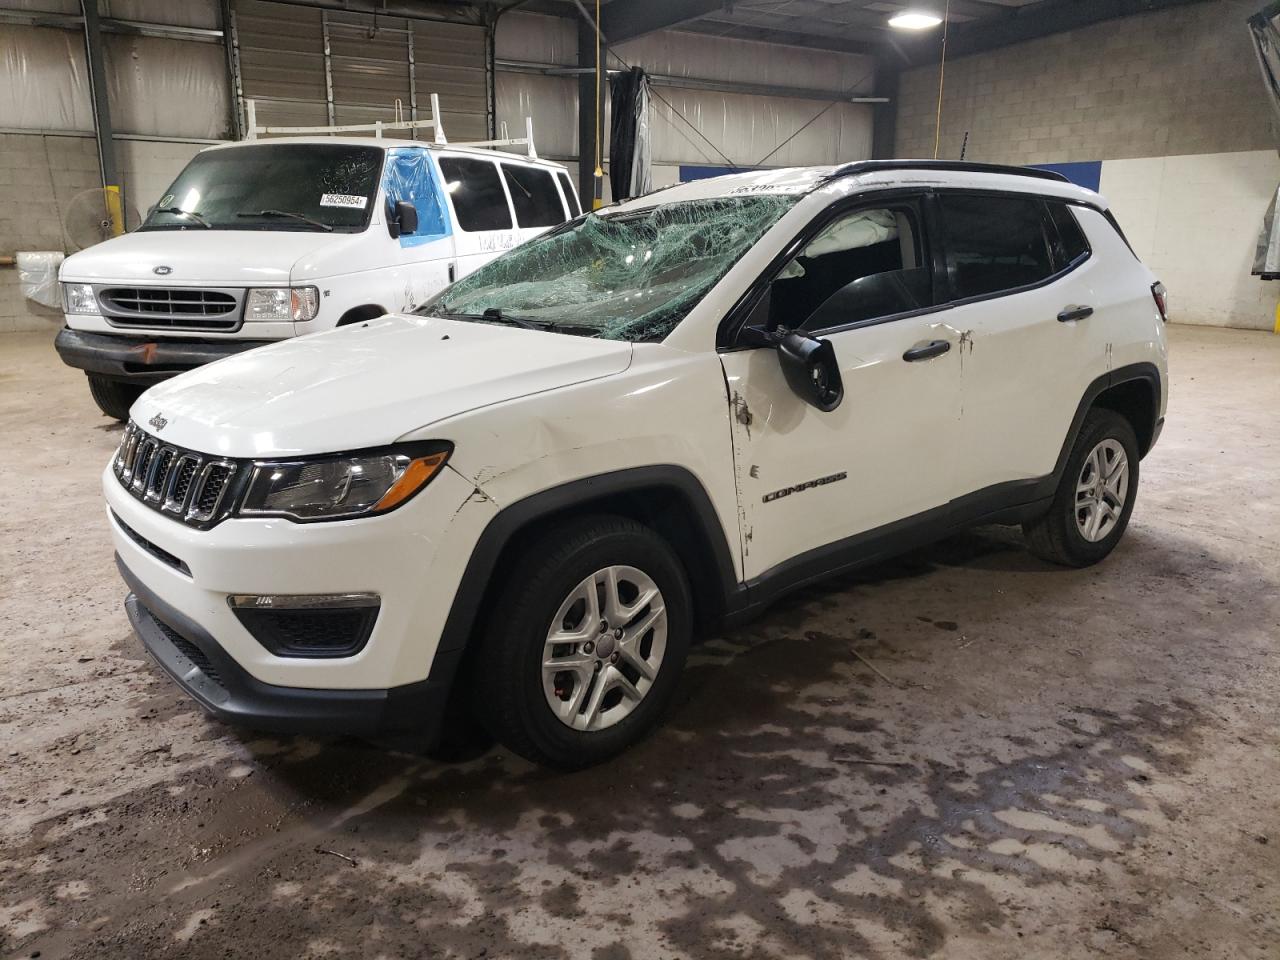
[[389, 142], [871, 174]]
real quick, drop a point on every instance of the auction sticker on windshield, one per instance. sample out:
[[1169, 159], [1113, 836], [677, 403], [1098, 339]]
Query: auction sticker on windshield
[[343, 200]]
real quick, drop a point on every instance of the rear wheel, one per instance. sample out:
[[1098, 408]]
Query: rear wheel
[[1095, 496], [585, 643], [113, 397]]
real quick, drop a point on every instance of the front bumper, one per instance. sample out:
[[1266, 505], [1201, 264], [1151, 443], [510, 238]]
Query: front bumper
[[199, 665], [139, 360]]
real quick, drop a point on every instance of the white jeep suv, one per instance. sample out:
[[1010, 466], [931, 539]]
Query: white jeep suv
[[527, 499]]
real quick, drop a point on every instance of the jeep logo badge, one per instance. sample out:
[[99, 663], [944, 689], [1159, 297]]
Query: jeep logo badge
[[162, 270], [158, 422]]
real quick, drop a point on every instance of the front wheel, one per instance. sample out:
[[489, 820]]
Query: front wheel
[[585, 643], [113, 397], [1095, 496]]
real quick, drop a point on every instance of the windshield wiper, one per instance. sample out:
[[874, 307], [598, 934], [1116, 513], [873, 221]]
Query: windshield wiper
[[286, 213], [179, 212]]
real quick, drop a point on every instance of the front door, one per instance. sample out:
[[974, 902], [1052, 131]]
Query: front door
[[808, 480], [425, 259]]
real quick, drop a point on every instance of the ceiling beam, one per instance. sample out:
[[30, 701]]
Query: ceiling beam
[[813, 41], [1030, 23], [625, 19]]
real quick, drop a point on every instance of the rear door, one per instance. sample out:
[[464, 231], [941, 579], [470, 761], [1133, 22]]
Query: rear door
[[1021, 279], [481, 211]]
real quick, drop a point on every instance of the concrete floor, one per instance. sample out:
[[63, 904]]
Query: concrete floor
[[1082, 762]]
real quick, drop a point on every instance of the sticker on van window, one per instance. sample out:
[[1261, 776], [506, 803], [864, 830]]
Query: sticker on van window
[[343, 200], [166, 200]]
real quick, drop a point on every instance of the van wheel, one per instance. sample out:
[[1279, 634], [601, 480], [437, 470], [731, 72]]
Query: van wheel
[[1095, 496], [113, 397], [585, 643]]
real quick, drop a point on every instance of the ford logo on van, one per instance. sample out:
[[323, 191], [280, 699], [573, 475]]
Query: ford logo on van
[[162, 270]]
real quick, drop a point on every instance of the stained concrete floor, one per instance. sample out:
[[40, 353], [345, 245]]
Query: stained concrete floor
[[1076, 763]]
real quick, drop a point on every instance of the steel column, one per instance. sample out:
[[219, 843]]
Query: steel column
[[102, 115]]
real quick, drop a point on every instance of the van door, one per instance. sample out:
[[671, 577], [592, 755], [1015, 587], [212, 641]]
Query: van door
[[425, 256], [481, 211], [534, 198]]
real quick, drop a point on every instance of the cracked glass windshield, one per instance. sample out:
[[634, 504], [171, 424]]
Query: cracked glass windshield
[[632, 275]]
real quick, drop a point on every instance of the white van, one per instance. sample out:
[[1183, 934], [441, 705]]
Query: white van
[[262, 240]]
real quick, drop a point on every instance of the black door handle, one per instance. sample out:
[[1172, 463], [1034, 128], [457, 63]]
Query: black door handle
[[1074, 313], [923, 351]]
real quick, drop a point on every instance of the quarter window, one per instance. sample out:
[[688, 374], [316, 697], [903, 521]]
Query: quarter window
[[534, 196], [478, 197], [1069, 244], [994, 243]]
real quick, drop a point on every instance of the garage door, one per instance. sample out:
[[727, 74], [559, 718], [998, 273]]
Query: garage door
[[308, 67]]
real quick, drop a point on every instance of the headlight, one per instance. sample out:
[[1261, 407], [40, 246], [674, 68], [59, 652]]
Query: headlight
[[282, 303], [79, 298], [341, 487]]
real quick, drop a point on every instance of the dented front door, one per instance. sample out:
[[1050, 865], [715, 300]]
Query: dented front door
[[808, 479]]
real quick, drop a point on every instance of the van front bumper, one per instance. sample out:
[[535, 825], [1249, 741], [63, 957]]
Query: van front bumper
[[135, 359], [200, 666]]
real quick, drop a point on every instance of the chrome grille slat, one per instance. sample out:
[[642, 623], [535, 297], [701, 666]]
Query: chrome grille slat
[[191, 486], [190, 308]]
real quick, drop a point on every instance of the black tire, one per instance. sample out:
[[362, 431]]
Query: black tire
[[506, 670], [113, 397], [1056, 536]]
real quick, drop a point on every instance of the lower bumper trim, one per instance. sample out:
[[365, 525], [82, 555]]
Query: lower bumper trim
[[135, 359], [211, 677]]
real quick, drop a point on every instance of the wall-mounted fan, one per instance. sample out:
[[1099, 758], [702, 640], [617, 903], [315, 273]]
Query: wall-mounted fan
[[85, 221]]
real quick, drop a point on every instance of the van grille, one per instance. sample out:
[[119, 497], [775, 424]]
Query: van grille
[[186, 308], [189, 486]]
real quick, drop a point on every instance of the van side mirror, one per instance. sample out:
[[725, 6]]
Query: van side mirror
[[811, 369], [404, 219]]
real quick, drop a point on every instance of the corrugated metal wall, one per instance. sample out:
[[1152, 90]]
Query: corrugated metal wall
[[310, 67], [733, 129]]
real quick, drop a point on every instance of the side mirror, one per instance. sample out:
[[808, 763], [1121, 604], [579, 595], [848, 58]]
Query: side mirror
[[404, 219], [811, 369]]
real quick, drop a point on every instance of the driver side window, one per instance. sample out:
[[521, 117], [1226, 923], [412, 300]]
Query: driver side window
[[865, 265]]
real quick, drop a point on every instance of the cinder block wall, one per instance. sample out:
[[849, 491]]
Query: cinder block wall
[[39, 175], [1179, 83]]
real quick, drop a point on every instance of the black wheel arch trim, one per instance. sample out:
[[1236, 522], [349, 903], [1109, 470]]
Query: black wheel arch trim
[[502, 529]]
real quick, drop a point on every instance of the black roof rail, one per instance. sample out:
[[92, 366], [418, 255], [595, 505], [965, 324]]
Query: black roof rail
[[959, 166]]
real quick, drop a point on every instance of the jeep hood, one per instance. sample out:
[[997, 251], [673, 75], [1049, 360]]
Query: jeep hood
[[230, 258], [366, 385]]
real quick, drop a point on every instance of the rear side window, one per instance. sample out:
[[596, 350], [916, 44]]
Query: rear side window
[[571, 198], [534, 195], [1069, 243], [478, 198], [994, 243]]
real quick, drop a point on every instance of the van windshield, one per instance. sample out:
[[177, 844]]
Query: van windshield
[[630, 275], [282, 186]]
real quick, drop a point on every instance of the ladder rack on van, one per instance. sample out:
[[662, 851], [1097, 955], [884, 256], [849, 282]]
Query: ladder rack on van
[[378, 127]]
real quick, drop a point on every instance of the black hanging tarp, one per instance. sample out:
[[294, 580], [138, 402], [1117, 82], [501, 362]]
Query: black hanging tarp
[[629, 174]]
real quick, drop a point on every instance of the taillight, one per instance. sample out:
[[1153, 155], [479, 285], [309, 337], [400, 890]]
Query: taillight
[[1161, 297]]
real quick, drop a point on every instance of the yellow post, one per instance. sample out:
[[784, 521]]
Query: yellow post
[[115, 209]]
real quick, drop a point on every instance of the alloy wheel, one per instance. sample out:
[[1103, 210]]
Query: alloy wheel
[[1101, 490], [604, 648]]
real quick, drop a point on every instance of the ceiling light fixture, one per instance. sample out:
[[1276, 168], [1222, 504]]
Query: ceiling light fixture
[[914, 20]]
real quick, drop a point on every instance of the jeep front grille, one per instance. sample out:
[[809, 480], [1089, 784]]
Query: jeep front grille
[[179, 308], [192, 487]]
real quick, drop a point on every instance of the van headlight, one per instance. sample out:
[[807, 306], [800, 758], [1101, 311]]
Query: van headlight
[[79, 298], [344, 486], [282, 303]]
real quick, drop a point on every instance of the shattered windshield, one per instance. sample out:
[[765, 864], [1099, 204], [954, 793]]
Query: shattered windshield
[[632, 275]]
